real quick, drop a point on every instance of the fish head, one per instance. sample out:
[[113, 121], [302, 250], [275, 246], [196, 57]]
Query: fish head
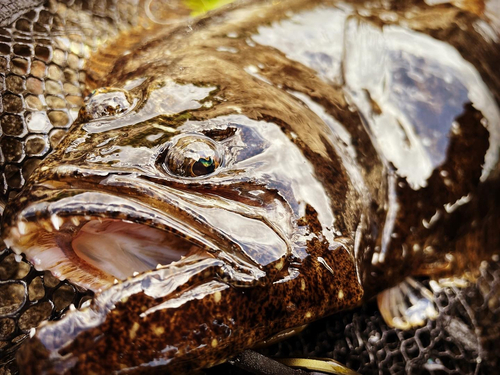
[[158, 169], [202, 214]]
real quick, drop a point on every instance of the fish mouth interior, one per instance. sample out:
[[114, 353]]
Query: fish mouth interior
[[94, 252], [120, 248]]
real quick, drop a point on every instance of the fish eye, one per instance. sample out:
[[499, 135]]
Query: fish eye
[[193, 156], [106, 102]]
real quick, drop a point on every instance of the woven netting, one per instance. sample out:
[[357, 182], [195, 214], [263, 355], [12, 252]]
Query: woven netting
[[28, 297]]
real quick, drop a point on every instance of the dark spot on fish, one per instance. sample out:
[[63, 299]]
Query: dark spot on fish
[[311, 220], [220, 134]]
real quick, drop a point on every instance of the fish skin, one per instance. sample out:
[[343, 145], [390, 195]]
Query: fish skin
[[226, 329], [473, 143]]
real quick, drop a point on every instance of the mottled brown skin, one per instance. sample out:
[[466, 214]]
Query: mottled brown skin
[[245, 315], [250, 311]]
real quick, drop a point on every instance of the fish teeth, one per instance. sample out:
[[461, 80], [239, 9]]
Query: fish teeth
[[135, 273], [75, 221], [22, 227], [56, 221]]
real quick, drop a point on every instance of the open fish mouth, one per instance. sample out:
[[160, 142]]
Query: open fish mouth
[[111, 239]]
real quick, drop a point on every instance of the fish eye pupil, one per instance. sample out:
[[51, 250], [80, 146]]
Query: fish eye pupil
[[193, 155], [203, 166]]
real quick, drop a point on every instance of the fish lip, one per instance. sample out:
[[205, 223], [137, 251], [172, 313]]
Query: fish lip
[[54, 215]]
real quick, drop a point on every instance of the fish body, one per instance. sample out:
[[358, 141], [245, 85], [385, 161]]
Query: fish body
[[267, 165]]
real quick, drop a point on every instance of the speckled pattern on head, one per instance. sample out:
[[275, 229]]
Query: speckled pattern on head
[[290, 159]]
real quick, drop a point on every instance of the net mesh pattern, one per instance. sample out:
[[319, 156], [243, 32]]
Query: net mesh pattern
[[28, 297], [42, 77], [42, 87], [464, 339]]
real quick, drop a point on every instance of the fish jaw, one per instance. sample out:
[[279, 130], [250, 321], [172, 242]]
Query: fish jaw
[[186, 316], [96, 238]]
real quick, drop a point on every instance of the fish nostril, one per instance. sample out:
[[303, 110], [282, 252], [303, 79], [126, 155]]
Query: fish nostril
[[106, 102]]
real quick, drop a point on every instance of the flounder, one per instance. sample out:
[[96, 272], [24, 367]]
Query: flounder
[[264, 166]]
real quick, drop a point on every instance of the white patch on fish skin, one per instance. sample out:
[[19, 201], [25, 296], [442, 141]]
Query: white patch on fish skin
[[217, 296], [227, 49], [341, 294], [323, 26], [325, 264], [254, 71]]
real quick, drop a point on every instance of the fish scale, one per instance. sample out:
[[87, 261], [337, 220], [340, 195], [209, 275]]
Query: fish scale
[[28, 92]]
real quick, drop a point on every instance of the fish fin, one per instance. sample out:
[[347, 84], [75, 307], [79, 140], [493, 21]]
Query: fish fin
[[408, 304], [324, 365]]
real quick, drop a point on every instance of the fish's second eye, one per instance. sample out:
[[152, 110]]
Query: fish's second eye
[[106, 102], [193, 156]]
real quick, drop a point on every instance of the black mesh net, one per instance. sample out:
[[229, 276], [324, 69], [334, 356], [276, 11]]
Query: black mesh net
[[29, 297], [42, 78], [462, 340]]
